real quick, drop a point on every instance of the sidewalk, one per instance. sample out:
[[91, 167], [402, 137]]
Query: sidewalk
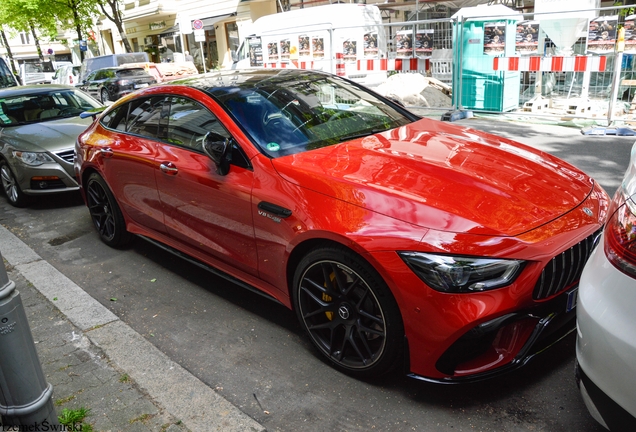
[[95, 361]]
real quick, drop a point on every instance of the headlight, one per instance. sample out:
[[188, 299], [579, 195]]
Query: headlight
[[459, 274], [32, 158]]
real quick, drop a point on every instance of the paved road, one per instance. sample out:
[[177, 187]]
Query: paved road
[[254, 353]]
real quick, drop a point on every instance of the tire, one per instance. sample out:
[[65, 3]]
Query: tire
[[348, 312], [11, 188], [105, 96], [105, 213]]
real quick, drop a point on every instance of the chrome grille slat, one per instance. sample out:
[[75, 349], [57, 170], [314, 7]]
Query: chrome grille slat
[[66, 155], [564, 269]]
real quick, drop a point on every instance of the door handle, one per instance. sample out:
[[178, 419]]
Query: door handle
[[106, 152], [168, 168]]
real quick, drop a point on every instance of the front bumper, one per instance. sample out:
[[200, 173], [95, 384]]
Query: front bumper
[[526, 333], [43, 179]]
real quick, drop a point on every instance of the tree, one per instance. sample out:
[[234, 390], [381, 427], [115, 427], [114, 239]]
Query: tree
[[5, 42], [116, 16], [32, 16], [78, 15]]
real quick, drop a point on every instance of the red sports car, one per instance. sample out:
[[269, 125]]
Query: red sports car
[[397, 240]]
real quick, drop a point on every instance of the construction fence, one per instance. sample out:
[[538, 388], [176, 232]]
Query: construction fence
[[578, 64]]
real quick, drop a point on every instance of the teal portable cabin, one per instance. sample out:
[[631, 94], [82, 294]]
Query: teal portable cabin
[[480, 34]]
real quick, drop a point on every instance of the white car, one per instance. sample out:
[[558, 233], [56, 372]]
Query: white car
[[67, 74], [606, 316]]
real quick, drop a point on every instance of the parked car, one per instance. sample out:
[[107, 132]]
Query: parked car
[[91, 64], [109, 84], [7, 79], [39, 72], [67, 74], [398, 241], [606, 342], [38, 128]]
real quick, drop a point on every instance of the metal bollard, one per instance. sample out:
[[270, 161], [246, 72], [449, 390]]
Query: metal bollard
[[25, 396]]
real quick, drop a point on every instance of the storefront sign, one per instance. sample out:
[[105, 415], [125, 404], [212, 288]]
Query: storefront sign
[[157, 25]]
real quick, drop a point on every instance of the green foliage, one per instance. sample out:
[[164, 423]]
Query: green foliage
[[47, 16], [74, 419]]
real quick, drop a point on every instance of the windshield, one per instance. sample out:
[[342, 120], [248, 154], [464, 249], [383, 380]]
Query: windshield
[[131, 72], [287, 115], [45, 106]]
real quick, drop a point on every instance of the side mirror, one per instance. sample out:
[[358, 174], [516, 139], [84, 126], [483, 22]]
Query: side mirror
[[219, 149]]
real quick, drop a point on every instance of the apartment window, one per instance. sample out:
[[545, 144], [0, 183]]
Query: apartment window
[[25, 39]]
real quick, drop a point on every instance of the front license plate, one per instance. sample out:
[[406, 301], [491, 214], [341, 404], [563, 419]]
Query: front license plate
[[141, 85], [573, 296]]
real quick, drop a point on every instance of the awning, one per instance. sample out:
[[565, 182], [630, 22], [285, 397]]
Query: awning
[[208, 23], [174, 30]]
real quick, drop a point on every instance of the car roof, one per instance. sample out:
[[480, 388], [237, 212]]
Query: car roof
[[250, 78], [34, 89]]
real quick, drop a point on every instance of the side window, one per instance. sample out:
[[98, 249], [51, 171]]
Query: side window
[[116, 119], [143, 117], [189, 122]]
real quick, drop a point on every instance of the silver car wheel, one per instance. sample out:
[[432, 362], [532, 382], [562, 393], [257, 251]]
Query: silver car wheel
[[10, 185]]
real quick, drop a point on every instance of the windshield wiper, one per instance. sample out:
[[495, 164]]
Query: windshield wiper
[[360, 135]]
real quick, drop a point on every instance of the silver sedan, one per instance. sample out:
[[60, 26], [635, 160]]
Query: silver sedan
[[38, 128]]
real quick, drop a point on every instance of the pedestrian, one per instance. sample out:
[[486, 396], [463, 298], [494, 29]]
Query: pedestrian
[[188, 57]]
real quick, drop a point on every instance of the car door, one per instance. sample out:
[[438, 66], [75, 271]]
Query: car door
[[211, 213], [127, 159]]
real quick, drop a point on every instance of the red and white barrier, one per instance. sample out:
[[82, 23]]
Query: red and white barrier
[[399, 65], [551, 64], [340, 65]]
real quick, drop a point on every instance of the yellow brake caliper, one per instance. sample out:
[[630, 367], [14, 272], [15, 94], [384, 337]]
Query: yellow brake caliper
[[328, 298]]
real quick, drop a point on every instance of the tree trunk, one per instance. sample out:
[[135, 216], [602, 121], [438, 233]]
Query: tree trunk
[[5, 42], [37, 42], [78, 29], [116, 18]]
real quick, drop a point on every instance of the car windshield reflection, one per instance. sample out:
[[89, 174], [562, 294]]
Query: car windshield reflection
[[286, 115], [46, 106]]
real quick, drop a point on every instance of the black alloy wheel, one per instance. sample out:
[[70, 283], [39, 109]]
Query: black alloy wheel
[[11, 188], [348, 311], [105, 96], [105, 213]]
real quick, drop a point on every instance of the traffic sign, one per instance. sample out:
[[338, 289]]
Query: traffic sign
[[197, 24]]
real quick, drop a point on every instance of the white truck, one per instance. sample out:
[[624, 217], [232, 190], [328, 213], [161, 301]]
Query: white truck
[[311, 38]]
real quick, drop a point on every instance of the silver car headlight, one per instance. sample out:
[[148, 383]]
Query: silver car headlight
[[32, 158], [460, 274]]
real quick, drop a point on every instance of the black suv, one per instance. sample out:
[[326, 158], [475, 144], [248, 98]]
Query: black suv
[[109, 84]]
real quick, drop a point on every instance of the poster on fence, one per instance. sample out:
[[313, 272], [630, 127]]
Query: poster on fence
[[256, 51], [403, 43], [630, 34], [350, 50], [371, 45], [272, 52], [601, 36], [303, 46], [527, 38], [424, 42], [284, 50], [494, 38], [318, 47]]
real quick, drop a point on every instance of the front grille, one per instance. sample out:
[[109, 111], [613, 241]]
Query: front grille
[[66, 155], [564, 269]]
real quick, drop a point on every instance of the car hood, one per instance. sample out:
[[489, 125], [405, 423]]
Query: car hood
[[52, 136], [443, 177]]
